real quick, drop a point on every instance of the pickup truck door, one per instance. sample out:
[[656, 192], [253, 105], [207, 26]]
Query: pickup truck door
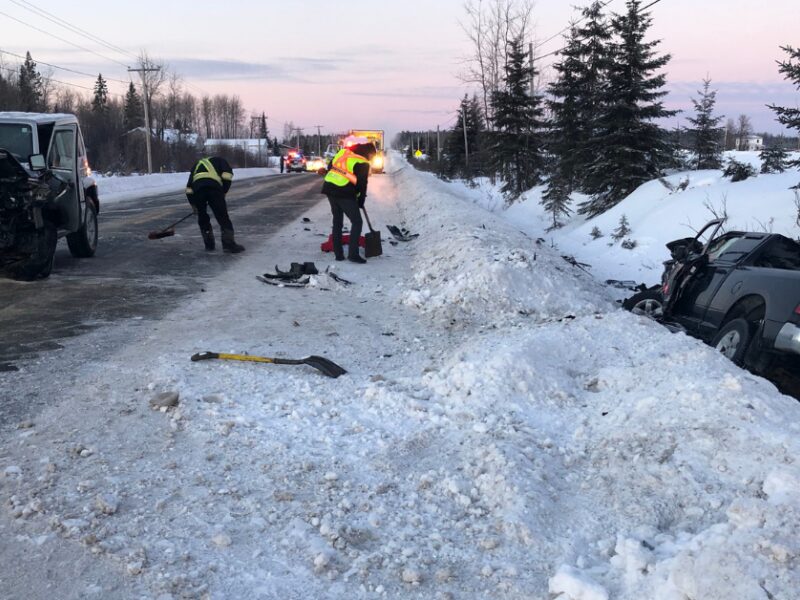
[[62, 159], [719, 286]]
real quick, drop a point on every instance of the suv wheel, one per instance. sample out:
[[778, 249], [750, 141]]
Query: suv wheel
[[648, 303], [39, 264], [83, 243], [734, 339]]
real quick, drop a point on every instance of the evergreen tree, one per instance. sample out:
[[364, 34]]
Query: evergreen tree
[[31, 87], [132, 111], [566, 131], [263, 132], [790, 117], [622, 230], [100, 99], [469, 111], [594, 40], [517, 149], [707, 132], [555, 200], [630, 148], [774, 159]]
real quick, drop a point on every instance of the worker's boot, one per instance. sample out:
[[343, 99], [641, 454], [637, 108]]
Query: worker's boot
[[229, 244], [208, 240]]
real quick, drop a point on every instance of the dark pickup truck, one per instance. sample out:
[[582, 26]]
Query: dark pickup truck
[[740, 292]]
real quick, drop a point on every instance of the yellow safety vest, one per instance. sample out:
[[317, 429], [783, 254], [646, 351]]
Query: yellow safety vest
[[342, 165], [209, 173]]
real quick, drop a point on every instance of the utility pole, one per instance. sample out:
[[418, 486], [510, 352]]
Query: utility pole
[[530, 49], [143, 70], [466, 144], [319, 139], [438, 145]]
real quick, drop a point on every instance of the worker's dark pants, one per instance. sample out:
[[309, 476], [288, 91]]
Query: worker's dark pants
[[341, 206], [216, 200]]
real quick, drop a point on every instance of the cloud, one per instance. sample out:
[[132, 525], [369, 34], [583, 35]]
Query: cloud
[[289, 68], [446, 92]]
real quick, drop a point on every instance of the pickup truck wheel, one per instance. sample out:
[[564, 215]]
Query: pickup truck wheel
[[39, 264], [648, 303], [733, 340], [83, 243]]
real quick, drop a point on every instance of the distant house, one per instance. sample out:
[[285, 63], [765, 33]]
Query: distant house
[[752, 143], [254, 147]]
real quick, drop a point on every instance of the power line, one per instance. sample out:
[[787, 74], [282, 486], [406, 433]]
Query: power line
[[554, 52], [75, 85], [69, 26], [62, 39], [41, 62], [567, 28]]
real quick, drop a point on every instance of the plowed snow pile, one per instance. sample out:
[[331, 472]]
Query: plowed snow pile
[[504, 431]]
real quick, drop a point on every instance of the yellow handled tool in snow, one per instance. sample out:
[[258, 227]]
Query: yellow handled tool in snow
[[325, 366]]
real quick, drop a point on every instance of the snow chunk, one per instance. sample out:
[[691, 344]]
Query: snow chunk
[[576, 585]]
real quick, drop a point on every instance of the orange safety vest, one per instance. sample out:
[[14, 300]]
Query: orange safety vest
[[342, 165]]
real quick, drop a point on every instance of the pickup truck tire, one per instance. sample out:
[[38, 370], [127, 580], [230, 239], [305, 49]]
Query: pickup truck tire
[[38, 264], [83, 243], [734, 339], [648, 303]]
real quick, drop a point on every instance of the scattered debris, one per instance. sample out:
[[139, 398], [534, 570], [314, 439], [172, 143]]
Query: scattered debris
[[401, 234], [299, 283], [626, 285], [574, 262]]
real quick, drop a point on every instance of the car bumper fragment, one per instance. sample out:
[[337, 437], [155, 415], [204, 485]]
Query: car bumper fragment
[[788, 338]]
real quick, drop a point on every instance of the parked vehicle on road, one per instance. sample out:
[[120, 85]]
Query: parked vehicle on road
[[739, 291], [46, 192], [295, 162], [315, 163]]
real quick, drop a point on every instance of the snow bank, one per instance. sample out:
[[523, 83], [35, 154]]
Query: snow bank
[[542, 445], [474, 267], [115, 188]]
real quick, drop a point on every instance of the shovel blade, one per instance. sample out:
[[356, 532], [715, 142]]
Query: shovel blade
[[372, 246], [157, 235], [324, 366]]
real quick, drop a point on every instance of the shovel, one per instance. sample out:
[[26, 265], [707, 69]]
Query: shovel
[[321, 364], [372, 246], [168, 230]]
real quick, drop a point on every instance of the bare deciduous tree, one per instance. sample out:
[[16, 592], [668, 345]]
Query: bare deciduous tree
[[489, 26]]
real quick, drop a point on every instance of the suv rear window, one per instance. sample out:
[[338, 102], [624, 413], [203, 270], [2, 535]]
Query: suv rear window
[[17, 139], [781, 253]]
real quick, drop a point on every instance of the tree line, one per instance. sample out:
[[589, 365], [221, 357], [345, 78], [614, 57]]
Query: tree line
[[595, 129], [113, 125]]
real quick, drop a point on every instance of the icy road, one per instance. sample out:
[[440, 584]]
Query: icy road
[[132, 277], [504, 431]]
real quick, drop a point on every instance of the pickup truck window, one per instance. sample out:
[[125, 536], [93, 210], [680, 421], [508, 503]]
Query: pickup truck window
[[732, 248], [781, 253]]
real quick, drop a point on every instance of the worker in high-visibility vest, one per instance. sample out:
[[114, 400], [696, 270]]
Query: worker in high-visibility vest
[[346, 188], [209, 181]]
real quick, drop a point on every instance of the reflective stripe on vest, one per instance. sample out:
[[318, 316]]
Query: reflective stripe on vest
[[210, 172], [342, 165]]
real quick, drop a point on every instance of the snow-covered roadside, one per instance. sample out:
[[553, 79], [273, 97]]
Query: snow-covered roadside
[[116, 188], [504, 432], [658, 212]]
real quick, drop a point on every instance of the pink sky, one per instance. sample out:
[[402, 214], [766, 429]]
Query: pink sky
[[396, 67]]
